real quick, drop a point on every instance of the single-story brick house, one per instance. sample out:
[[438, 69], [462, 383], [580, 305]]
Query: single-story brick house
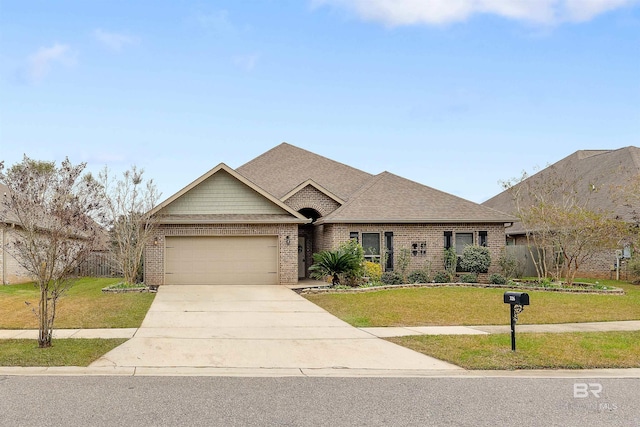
[[262, 222], [597, 177]]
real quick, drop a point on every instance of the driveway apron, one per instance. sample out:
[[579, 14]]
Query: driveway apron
[[249, 327]]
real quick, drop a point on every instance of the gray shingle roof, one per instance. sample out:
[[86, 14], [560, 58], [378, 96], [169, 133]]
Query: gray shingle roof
[[598, 172], [390, 198], [5, 216], [284, 167]]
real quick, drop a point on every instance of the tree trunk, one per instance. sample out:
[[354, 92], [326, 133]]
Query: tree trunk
[[44, 329]]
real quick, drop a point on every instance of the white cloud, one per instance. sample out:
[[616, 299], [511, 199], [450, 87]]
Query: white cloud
[[39, 64], [440, 12], [246, 62], [584, 10], [114, 41]]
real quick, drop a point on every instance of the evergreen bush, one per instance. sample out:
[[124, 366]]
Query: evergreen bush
[[475, 259], [497, 279], [391, 278], [441, 277], [418, 276], [469, 278]]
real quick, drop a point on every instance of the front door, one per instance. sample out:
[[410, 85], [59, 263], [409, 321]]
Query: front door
[[302, 259]]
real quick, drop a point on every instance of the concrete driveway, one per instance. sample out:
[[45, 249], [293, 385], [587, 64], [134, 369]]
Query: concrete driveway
[[255, 327]]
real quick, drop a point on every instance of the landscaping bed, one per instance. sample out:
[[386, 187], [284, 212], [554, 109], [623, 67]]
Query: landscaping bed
[[576, 288], [122, 288]]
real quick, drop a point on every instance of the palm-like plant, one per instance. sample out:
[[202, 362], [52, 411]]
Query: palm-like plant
[[333, 263]]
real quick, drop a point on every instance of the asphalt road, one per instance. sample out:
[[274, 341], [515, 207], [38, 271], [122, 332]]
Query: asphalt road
[[221, 401]]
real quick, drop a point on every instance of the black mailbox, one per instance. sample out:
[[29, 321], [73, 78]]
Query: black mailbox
[[516, 298]]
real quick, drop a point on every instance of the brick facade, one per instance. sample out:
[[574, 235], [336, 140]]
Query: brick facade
[[404, 235], [288, 254], [311, 198]]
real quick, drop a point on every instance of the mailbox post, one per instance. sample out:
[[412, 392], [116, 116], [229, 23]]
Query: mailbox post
[[516, 301]]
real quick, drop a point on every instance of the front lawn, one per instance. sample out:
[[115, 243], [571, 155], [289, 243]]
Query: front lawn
[[63, 352], [476, 306], [588, 350], [84, 306]]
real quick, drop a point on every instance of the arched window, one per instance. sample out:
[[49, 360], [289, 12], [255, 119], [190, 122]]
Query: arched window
[[310, 213]]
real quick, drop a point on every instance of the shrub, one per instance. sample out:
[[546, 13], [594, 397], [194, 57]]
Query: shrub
[[333, 263], [354, 248], [403, 259], [497, 279], [373, 271], [441, 277], [469, 278], [475, 259], [391, 278], [509, 265], [450, 263], [633, 267], [418, 276]]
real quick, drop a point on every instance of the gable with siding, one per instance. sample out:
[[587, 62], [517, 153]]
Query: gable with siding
[[222, 194]]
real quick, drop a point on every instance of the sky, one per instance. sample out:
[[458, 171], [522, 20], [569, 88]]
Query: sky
[[459, 95]]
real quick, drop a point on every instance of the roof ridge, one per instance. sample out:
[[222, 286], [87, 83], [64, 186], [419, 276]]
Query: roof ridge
[[358, 193], [285, 166], [634, 153], [295, 147]]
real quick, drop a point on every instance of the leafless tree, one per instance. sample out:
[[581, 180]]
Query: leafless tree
[[56, 212], [129, 203], [560, 223]]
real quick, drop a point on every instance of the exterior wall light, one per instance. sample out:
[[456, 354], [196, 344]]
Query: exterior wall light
[[287, 240]]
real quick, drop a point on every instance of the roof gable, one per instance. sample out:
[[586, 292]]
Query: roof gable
[[282, 169], [390, 198], [224, 192], [321, 189]]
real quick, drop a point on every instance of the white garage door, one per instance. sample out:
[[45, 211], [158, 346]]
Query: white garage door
[[221, 260]]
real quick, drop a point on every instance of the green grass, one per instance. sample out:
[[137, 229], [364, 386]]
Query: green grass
[[476, 306], [83, 306], [589, 350], [64, 352]]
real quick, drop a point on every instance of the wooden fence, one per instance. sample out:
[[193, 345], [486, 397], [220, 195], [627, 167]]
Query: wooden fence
[[522, 254], [99, 264]]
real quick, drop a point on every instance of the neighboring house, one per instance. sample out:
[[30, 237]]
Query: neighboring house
[[11, 272], [599, 176], [261, 223]]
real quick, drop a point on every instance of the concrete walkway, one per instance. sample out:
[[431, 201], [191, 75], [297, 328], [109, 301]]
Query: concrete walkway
[[254, 327], [387, 332], [380, 332]]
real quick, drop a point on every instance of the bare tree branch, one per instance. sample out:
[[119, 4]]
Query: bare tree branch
[[56, 212], [129, 203]]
